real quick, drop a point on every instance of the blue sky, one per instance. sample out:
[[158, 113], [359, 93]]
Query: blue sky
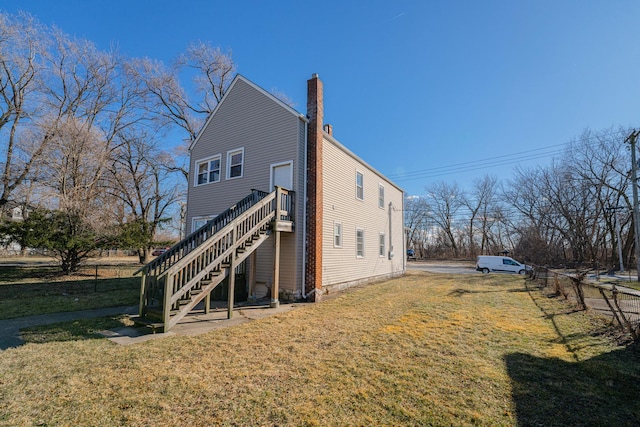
[[411, 86]]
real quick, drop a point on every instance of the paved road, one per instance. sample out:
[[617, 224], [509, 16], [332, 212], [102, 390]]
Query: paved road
[[442, 267]]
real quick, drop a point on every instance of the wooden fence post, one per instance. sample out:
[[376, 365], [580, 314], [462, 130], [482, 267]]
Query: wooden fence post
[[627, 324]]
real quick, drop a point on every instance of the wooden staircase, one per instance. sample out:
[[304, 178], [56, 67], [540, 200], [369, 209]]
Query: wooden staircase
[[177, 281]]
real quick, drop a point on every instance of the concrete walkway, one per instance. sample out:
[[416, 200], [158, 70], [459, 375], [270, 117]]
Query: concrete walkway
[[10, 328], [193, 324], [199, 323]]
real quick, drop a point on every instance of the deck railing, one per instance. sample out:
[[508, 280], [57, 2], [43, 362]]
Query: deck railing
[[182, 277], [193, 240]]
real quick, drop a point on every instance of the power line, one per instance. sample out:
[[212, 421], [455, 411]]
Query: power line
[[431, 173], [505, 159], [472, 162]]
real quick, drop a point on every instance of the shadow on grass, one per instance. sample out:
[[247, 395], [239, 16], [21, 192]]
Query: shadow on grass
[[461, 292], [28, 299], [601, 391], [76, 330]]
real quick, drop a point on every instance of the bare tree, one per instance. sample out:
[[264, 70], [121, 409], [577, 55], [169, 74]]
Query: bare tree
[[22, 44], [601, 160], [416, 213], [74, 122], [566, 205], [212, 72], [87, 101], [445, 201], [76, 162], [480, 203], [144, 186]]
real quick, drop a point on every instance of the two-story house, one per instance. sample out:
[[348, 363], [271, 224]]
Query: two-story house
[[340, 221]]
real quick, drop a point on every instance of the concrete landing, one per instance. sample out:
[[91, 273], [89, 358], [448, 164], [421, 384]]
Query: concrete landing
[[193, 324], [198, 323]]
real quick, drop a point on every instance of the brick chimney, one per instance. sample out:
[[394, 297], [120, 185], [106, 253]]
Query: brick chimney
[[313, 267]]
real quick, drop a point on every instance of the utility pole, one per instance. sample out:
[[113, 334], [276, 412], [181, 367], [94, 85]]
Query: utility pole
[[632, 138]]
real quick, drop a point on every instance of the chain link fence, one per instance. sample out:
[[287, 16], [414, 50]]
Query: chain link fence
[[611, 299]]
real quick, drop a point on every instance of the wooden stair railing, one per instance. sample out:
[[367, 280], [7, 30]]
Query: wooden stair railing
[[174, 284], [180, 249]]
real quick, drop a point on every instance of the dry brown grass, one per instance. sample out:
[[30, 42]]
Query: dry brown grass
[[424, 349], [36, 289]]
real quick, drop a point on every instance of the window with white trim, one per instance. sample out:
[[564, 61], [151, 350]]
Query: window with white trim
[[235, 163], [381, 196], [360, 242], [199, 221], [359, 186], [382, 247], [208, 170], [337, 235]]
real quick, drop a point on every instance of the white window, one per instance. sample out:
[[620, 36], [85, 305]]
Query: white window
[[199, 221], [235, 162], [381, 196], [208, 170], [359, 186], [359, 242], [382, 251], [16, 214], [337, 235]]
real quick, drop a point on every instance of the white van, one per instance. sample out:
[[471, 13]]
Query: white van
[[487, 263]]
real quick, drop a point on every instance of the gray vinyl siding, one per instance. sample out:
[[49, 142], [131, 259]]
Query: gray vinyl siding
[[270, 133], [247, 119], [341, 265]]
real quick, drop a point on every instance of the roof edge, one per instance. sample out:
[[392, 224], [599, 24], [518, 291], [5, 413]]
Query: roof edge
[[235, 80]]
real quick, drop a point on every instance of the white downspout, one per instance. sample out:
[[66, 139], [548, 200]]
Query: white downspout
[[390, 257], [404, 240]]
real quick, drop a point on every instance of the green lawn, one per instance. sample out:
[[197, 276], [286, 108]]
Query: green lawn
[[424, 349]]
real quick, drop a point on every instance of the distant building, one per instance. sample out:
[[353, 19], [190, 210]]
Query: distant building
[[13, 212]]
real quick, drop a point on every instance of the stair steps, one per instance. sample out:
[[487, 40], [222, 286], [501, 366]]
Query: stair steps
[[194, 267], [154, 325]]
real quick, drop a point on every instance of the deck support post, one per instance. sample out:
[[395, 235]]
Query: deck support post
[[232, 281], [252, 276], [207, 303], [275, 289], [166, 309], [143, 291]]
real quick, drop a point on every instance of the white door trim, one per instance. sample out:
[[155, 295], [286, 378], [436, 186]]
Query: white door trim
[[275, 165]]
